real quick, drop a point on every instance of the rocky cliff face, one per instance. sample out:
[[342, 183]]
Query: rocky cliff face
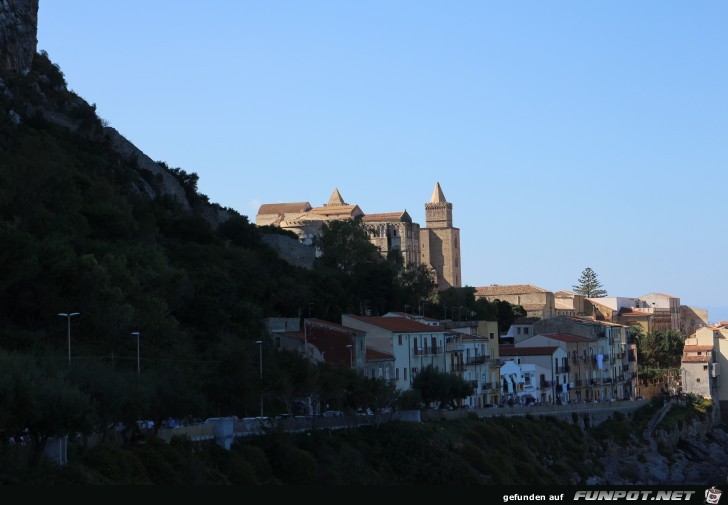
[[18, 34]]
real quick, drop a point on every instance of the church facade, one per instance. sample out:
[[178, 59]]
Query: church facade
[[436, 245]]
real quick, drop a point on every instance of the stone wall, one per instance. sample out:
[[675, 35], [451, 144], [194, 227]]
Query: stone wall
[[291, 250]]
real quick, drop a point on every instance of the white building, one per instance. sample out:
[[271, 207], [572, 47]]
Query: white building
[[413, 345], [551, 381]]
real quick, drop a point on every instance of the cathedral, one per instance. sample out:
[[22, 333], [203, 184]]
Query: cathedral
[[437, 244]]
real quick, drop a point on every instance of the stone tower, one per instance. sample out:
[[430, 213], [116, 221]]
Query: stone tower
[[440, 241]]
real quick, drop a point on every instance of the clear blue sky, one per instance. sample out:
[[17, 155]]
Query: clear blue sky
[[567, 134]]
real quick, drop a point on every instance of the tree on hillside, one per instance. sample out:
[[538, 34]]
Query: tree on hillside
[[345, 245], [659, 349], [589, 285], [446, 388]]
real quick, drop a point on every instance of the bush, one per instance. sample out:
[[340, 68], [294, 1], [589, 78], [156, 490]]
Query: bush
[[117, 465]]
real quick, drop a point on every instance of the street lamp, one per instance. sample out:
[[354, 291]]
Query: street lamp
[[260, 349], [68, 316], [138, 361], [351, 359]]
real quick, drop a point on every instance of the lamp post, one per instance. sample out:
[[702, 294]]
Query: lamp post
[[68, 316], [351, 358], [138, 361], [260, 360]]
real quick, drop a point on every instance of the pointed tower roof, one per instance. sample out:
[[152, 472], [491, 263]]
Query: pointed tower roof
[[335, 199], [437, 195]]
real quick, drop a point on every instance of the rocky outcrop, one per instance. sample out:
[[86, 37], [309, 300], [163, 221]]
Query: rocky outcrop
[[18, 34], [168, 183], [697, 453]]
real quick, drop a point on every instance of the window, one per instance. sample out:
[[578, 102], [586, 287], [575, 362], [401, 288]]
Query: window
[[697, 380], [373, 372], [396, 373], [492, 335], [404, 373], [525, 331], [414, 372], [518, 330], [400, 339], [705, 367]]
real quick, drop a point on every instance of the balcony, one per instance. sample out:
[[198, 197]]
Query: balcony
[[474, 384], [478, 360], [578, 383], [428, 351], [608, 380], [455, 347], [546, 384], [625, 368], [562, 369], [458, 367]]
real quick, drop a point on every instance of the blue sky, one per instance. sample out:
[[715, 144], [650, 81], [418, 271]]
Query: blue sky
[[566, 134]]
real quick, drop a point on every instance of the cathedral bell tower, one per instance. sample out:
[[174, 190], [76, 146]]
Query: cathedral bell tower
[[440, 241]]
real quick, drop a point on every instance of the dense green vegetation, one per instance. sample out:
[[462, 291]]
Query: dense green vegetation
[[84, 230], [659, 352], [493, 451]]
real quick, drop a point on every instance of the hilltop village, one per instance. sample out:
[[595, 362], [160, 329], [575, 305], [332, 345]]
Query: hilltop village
[[569, 347]]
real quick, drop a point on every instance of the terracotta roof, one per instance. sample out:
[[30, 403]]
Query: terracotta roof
[[337, 210], [283, 208], [414, 317], [467, 336], [328, 324], [509, 289], [397, 324], [588, 320], [696, 359], [560, 305], [510, 350], [659, 294], [569, 294], [628, 312], [387, 217], [376, 355], [697, 348], [566, 337]]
